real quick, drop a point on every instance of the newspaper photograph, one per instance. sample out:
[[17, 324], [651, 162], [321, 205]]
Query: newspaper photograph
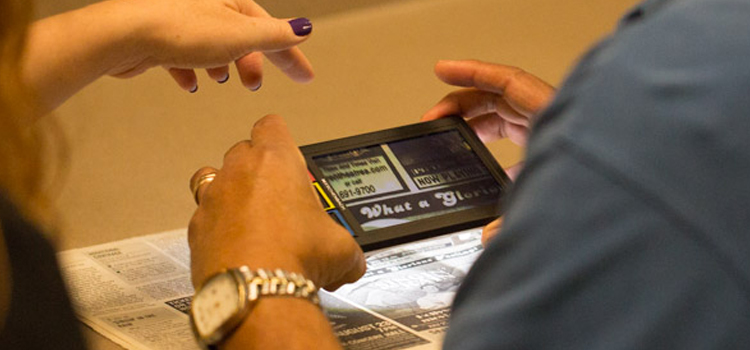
[[356, 328], [137, 292], [414, 284]]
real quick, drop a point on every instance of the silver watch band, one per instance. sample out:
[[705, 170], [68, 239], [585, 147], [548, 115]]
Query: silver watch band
[[262, 282]]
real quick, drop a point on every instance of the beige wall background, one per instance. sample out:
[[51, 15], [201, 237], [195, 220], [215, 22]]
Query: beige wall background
[[135, 143], [279, 8]]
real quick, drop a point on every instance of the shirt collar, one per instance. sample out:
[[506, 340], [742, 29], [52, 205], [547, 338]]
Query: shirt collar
[[642, 10]]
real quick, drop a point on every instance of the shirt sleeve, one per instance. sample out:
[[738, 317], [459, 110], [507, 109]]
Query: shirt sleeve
[[584, 261]]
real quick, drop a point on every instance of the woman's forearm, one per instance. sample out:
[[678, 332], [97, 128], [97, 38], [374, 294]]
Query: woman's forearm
[[66, 52], [123, 38]]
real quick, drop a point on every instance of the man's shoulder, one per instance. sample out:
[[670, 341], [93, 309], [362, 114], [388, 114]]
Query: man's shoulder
[[661, 106]]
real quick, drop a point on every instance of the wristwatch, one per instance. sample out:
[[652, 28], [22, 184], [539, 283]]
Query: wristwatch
[[226, 298]]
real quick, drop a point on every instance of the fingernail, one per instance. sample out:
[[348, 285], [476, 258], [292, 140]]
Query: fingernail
[[194, 89], [222, 81], [257, 87], [301, 26]]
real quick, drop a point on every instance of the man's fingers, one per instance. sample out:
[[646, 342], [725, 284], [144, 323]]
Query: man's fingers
[[525, 92], [514, 170], [517, 134], [438, 111], [491, 127], [268, 132], [491, 230], [270, 148], [470, 103], [200, 181], [271, 130], [471, 73], [358, 269]]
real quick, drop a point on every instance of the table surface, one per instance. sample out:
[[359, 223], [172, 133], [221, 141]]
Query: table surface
[[133, 144]]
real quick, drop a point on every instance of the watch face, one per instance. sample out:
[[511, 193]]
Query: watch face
[[215, 306]]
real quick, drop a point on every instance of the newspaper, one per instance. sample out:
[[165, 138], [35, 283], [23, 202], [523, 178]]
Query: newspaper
[[137, 292]]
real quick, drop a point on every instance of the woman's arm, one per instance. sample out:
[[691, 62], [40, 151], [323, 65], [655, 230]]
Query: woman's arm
[[124, 38]]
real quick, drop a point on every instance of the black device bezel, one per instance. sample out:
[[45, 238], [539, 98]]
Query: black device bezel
[[423, 228]]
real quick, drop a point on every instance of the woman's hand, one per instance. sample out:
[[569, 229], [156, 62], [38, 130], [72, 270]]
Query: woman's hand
[[499, 101], [124, 38], [261, 210], [187, 34]]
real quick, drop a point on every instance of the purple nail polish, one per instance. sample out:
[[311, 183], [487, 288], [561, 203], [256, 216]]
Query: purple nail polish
[[256, 88], [222, 81], [301, 26], [194, 89]]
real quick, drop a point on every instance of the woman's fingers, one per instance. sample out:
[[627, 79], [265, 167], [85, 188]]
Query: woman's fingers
[[293, 63], [185, 78], [250, 70], [219, 74]]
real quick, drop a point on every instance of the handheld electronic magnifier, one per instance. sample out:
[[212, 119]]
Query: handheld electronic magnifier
[[408, 183]]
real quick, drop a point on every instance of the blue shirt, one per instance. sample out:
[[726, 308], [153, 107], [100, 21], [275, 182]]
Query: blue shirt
[[630, 225]]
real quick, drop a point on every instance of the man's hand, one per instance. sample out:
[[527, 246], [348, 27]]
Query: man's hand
[[498, 101], [261, 210]]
